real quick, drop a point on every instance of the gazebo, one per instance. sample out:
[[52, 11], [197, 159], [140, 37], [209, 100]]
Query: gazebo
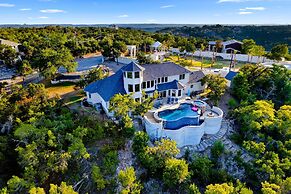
[[156, 46]]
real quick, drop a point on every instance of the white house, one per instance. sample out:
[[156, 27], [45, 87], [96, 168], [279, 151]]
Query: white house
[[227, 47], [14, 45], [172, 81]]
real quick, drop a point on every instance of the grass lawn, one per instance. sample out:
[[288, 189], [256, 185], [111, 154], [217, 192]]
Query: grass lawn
[[60, 89], [76, 98], [193, 63]]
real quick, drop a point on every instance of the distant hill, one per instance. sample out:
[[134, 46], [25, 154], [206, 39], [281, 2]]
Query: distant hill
[[267, 36]]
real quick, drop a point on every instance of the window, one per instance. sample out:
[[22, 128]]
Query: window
[[137, 88], [129, 75], [174, 93], [179, 93], [89, 95], [148, 84], [159, 80], [163, 79], [166, 79], [169, 93], [164, 94], [144, 85], [182, 76], [152, 83], [130, 88], [136, 75]]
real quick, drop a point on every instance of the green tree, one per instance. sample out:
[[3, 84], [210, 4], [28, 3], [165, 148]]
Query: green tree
[[62, 189], [48, 61], [279, 51], [175, 172], [122, 105], [217, 150], [193, 189], [98, 178], [219, 189], [8, 55], [140, 142], [154, 157], [216, 85], [145, 104], [201, 169], [129, 182]]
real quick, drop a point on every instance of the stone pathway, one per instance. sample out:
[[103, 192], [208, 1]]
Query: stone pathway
[[209, 140], [223, 135]]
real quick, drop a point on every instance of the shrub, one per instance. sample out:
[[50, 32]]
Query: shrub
[[98, 178], [232, 103], [175, 172], [110, 162], [193, 189], [217, 150]]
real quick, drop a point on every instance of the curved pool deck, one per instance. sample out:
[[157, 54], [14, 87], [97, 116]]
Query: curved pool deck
[[186, 133]]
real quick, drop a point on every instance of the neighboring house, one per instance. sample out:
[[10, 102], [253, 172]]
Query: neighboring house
[[157, 46], [169, 79], [10, 43], [227, 47]]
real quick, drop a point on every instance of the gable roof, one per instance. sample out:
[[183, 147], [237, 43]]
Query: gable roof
[[231, 75], [154, 71], [175, 85], [156, 44], [108, 87], [196, 76], [132, 67], [225, 42], [8, 42]]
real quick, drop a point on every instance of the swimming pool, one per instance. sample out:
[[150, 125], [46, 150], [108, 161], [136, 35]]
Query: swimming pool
[[184, 110], [85, 64], [180, 117]]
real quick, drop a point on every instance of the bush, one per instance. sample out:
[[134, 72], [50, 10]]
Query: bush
[[232, 103], [98, 178], [140, 141], [175, 172], [193, 189], [110, 162], [217, 150]]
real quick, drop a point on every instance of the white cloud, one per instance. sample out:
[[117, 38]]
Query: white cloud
[[52, 11], [25, 9], [167, 6], [123, 16], [43, 17], [255, 8], [245, 12], [6, 5]]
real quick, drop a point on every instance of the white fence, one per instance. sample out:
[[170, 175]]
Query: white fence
[[238, 57]]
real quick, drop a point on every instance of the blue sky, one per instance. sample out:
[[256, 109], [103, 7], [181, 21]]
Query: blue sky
[[145, 11]]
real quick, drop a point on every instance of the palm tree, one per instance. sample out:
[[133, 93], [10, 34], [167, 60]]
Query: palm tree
[[202, 48], [218, 45]]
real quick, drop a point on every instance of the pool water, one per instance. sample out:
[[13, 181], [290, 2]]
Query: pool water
[[185, 110], [199, 103]]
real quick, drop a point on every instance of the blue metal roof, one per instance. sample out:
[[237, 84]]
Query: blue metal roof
[[174, 85], [132, 67], [108, 87], [230, 75]]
